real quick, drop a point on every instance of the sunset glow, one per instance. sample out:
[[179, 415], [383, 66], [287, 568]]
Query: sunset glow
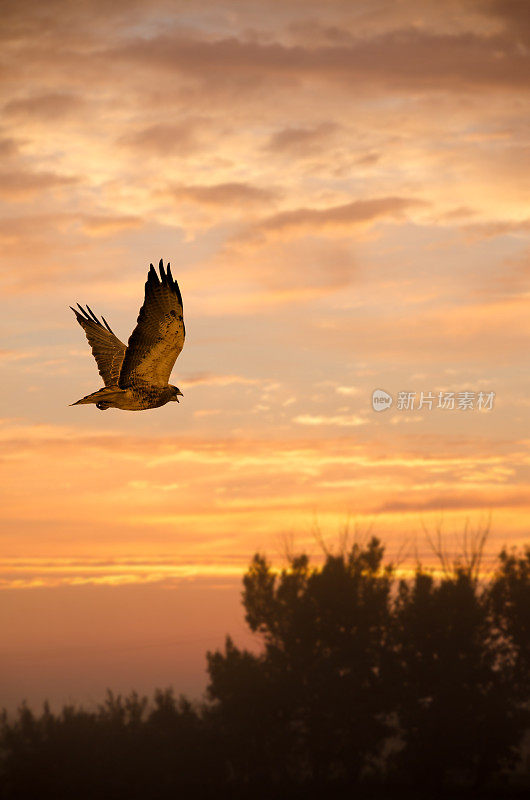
[[342, 191]]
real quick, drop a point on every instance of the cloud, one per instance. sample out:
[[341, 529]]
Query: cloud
[[514, 13], [339, 218], [165, 139], [299, 142], [221, 194], [49, 106], [100, 225], [313, 22], [65, 225], [489, 229], [512, 279], [23, 184], [460, 212], [21, 573], [446, 51], [60, 248], [368, 160], [456, 500], [129, 492], [211, 379], [8, 148], [283, 272], [339, 420], [472, 332], [251, 470], [15, 355], [410, 59]]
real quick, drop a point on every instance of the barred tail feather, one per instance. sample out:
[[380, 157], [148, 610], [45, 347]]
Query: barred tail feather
[[109, 394]]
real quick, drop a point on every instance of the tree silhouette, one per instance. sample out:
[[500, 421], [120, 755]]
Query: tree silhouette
[[510, 603], [419, 681], [457, 710], [323, 677], [360, 679], [125, 749]]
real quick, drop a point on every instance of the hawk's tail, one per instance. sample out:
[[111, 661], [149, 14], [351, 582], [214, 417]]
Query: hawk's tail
[[109, 394]]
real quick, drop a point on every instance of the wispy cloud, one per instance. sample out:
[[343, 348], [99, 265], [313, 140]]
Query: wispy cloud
[[405, 60], [24, 184], [340, 218], [221, 194], [48, 106], [301, 142], [340, 420], [165, 139], [102, 225], [212, 379]]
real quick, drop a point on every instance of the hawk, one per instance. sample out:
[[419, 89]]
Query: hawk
[[136, 376]]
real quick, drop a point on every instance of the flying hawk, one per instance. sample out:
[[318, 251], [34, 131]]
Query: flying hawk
[[136, 376]]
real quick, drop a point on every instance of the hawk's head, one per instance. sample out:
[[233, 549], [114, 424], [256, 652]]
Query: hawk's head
[[176, 393]]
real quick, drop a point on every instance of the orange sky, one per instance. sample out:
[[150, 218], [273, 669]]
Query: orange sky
[[342, 191]]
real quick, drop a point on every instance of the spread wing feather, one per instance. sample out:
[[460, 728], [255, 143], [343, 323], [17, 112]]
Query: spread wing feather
[[159, 335], [107, 349]]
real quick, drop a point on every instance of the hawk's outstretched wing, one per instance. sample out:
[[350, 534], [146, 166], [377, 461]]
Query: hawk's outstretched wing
[[158, 337], [107, 349]]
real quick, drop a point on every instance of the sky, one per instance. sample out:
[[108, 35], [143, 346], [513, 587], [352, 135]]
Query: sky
[[342, 191]]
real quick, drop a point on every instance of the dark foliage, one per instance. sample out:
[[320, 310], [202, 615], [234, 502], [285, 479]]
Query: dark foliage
[[322, 680], [363, 683], [124, 749], [458, 712]]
